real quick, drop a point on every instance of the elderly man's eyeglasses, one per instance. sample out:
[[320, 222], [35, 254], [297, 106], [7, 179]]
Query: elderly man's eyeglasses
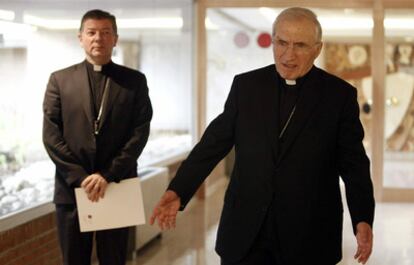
[[298, 47]]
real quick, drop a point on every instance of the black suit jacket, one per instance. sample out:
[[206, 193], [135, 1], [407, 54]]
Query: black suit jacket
[[301, 176], [68, 127]]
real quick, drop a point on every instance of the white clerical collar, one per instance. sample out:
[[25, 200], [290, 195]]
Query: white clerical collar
[[97, 68], [290, 82]]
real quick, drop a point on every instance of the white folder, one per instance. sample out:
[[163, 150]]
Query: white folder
[[121, 206]]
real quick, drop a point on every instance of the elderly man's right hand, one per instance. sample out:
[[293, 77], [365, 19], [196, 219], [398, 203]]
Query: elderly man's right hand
[[166, 210]]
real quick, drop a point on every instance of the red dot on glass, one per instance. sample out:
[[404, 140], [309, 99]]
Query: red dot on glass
[[264, 40]]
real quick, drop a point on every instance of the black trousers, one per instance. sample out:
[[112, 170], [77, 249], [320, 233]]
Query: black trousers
[[266, 248], [111, 245]]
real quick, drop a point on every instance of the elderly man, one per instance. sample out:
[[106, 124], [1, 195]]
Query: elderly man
[[96, 123], [296, 131]]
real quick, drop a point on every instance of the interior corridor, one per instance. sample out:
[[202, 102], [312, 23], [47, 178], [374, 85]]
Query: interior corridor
[[192, 242]]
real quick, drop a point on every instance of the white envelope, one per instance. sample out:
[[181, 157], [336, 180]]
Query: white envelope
[[121, 206]]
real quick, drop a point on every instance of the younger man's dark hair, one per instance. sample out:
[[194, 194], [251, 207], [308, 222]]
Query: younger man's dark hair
[[99, 14]]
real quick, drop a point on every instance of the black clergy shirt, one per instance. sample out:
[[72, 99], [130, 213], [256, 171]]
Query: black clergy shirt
[[97, 83]]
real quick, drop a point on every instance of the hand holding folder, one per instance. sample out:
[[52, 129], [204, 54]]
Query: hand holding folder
[[122, 206]]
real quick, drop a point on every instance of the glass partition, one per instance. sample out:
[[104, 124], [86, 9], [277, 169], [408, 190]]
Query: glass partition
[[154, 38], [239, 40], [399, 99]]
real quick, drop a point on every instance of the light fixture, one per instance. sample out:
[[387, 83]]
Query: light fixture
[[51, 23], [399, 23], [210, 25], [6, 15], [133, 23], [269, 13], [151, 23], [345, 23], [329, 22], [11, 30], [349, 11]]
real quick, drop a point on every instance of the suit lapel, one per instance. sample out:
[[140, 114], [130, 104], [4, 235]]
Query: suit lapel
[[81, 78], [271, 108], [309, 97]]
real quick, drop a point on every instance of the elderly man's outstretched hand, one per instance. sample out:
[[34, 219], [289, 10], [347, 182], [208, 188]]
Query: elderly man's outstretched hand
[[165, 212]]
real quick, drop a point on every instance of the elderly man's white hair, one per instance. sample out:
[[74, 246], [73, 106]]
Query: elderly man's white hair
[[293, 13]]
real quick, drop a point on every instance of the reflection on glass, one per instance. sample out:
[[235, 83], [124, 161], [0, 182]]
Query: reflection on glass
[[156, 40], [234, 46], [399, 96], [236, 42], [351, 60]]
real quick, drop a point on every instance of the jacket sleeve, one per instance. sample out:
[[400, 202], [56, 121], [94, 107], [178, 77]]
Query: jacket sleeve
[[66, 163], [216, 142], [354, 165], [137, 139]]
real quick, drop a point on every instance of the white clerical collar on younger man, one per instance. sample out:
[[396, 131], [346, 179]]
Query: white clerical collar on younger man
[[97, 67], [290, 82]]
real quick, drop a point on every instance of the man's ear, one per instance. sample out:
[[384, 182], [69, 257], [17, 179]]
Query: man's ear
[[80, 39], [320, 45], [116, 40]]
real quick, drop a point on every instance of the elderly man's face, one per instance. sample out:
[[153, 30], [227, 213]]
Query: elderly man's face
[[295, 47], [98, 39]]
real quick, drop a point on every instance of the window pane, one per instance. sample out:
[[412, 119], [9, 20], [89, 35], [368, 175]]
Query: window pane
[[399, 99], [153, 38], [239, 41]]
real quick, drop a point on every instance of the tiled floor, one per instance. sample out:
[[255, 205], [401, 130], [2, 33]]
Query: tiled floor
[[192, 242]]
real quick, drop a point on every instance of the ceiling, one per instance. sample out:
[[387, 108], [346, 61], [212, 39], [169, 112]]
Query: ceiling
[[336, 23], [88, 4], [64, 9]]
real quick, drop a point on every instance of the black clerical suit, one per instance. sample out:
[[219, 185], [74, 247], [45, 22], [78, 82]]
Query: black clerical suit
[[80, 146], [291, 182]]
